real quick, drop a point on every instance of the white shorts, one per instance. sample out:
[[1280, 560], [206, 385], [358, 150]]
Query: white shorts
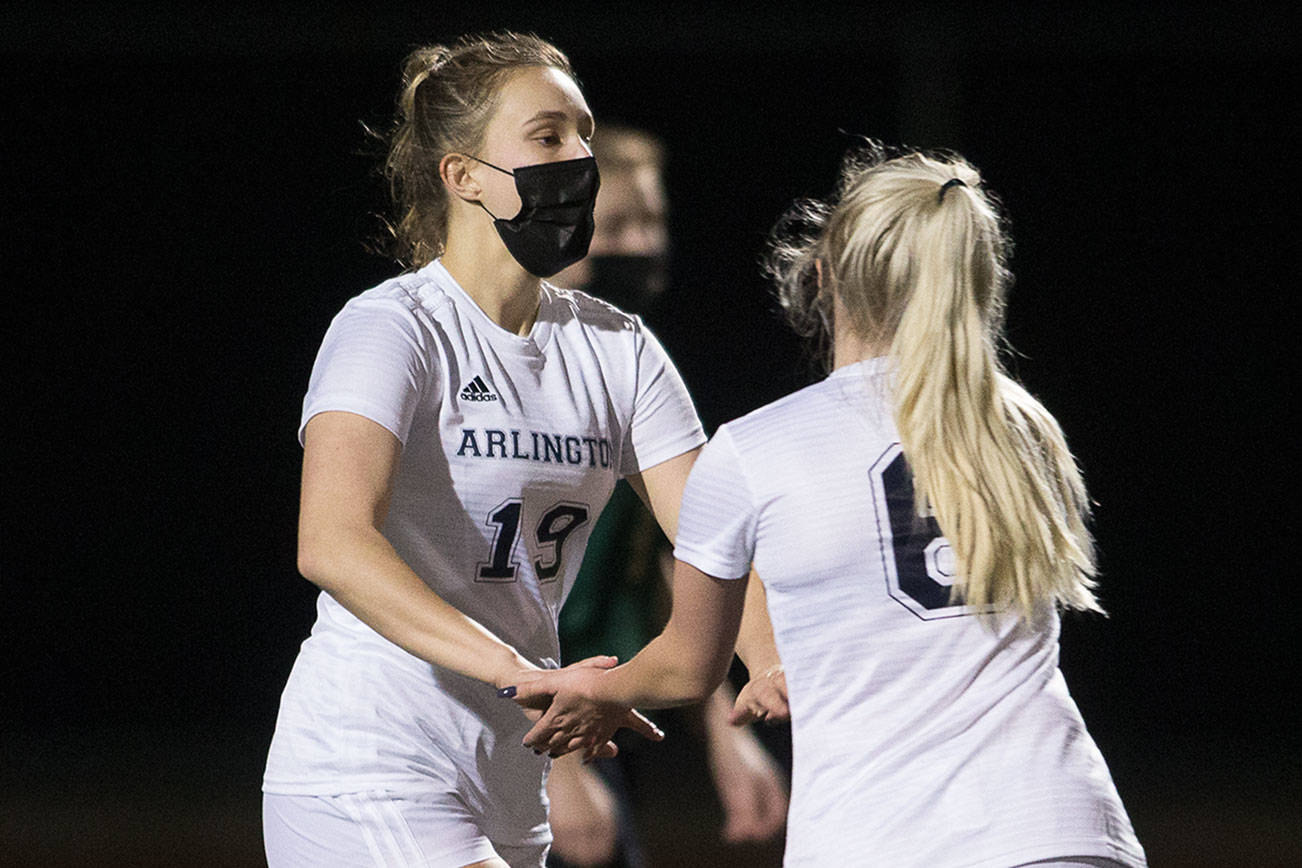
[[378, 829]]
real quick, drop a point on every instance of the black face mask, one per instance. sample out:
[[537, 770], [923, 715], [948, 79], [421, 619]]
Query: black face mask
[[554, 226], [630, 283]]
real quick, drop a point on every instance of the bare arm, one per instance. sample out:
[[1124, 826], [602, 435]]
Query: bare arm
[[661, 487], [348, 468], [755, 645], [687, 661], [764, 697], [680, 666]]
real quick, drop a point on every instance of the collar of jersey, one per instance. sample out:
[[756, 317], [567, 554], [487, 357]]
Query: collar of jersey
[[530, 345], [862, 368]]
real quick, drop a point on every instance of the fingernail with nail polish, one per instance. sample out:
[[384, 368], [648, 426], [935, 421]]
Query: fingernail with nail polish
[[506, 692]]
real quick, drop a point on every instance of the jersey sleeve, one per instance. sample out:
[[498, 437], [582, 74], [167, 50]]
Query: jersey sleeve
[[664, 422], [373, 362], [717, 521]]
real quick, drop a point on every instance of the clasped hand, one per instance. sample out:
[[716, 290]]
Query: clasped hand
[[574, 715]]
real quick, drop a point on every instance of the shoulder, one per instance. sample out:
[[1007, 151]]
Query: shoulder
[[393, 320], [403, 297], [590, 312], [405, 305], [778, 418]]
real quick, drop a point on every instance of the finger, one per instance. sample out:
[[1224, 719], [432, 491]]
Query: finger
[[571, 744], [778, 709], [560, 742], [606, 750], [746, 709], [743, 714], [601, 661], [637, 722], [534, 694], [772, 701], [541, 732]]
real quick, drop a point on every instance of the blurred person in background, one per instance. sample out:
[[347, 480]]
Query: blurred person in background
[[619, 600]]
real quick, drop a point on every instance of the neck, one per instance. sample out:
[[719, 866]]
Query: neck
[[849, 348], [476, 258]]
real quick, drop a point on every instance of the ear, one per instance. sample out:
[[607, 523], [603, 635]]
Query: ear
[[455, 172]]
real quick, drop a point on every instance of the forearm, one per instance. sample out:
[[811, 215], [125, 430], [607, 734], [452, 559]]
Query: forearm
[[660, 676], [755, 644], [360, 569], [691, 657]]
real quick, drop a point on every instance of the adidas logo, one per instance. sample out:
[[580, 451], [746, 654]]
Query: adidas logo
[[477, 390]]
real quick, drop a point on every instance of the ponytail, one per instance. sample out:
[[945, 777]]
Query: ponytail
[[916, 253]]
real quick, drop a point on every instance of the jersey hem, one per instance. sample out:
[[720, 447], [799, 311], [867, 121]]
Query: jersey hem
[[399, 787], [670, 450], [358, 408], [1063, 849], [344, 787], [710, 565]]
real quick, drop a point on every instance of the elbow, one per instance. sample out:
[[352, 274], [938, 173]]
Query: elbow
[[700, 691], [312, 559], [702, 680]]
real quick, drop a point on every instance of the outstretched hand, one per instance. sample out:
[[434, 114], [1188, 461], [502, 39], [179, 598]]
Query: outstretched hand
[[575, 717], [534, 703], [763, 698]]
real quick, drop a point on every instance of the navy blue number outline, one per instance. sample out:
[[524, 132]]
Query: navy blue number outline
[[894, 546], [506, 521]]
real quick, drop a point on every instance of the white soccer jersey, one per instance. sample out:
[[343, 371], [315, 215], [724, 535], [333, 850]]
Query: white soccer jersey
[[920, 737], [511, 446]]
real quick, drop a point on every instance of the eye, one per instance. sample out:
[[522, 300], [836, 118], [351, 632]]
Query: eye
[[548, 138]]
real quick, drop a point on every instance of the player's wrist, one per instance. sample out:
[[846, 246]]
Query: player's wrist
[[508, 667]]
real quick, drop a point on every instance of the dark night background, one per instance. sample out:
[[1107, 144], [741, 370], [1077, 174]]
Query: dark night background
[[187, 193]]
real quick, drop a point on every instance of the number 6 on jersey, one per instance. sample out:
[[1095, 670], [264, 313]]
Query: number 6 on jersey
[[916, 557]]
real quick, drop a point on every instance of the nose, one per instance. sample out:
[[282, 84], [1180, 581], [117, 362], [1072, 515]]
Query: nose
[[578, 149]]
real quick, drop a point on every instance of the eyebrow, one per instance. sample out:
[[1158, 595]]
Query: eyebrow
[[555, 115]]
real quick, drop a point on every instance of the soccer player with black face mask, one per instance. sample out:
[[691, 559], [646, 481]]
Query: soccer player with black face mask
[[628, 259], [464, 425], [619, 597]]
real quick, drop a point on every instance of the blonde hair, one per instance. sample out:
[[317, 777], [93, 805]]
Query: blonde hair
[[447, 98], [923, 267]]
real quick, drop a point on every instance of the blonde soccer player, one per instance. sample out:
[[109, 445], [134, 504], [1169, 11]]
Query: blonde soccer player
[[918, 523]]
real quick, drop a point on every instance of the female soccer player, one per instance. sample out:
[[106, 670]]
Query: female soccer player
[[917, 520], [463, 426]]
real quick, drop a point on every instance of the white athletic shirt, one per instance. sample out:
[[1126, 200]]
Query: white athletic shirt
[[919, 736], [511, 446]]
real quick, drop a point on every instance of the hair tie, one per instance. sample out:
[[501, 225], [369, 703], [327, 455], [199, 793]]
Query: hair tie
[[952, 182]]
